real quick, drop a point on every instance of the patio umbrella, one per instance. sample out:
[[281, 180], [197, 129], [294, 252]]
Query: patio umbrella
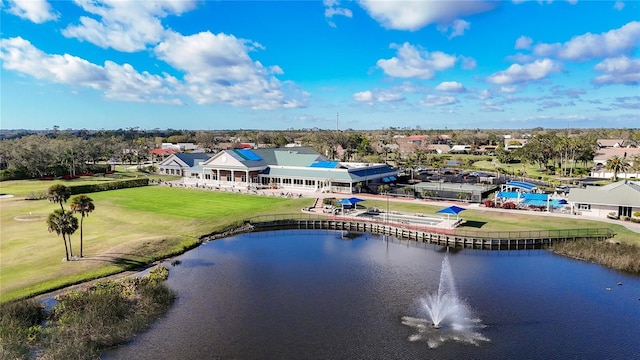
[[451, 210], [352, 201]]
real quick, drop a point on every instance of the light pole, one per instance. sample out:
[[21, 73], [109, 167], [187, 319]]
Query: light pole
[[387, 220]]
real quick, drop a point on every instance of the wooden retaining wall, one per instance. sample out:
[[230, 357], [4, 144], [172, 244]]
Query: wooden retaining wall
[[448, 238]]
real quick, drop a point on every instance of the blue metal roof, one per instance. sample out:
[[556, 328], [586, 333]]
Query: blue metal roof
[[541, 197], [521, 184], [324, 164], [247, 154]]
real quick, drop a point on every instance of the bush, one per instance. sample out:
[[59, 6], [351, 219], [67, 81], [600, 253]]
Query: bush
[[20, 326], [489, 203], [13, 174], [106, 314], [509, 205], [111, 185], [36, 195]]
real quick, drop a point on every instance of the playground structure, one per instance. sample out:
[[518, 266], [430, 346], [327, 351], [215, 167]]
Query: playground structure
[[526, 196]]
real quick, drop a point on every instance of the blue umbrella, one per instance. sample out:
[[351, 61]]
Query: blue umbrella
[[350, 201], [451, 210]]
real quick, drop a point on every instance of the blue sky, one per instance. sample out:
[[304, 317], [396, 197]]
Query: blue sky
[[187, 64]]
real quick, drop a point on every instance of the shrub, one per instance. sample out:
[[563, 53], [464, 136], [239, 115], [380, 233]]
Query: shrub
[[489, 203], [36, 195], [20, 326], [106, 314], [111, 185], [509, 205]]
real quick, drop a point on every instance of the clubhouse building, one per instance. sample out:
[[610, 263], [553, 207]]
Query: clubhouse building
[[295, 168]]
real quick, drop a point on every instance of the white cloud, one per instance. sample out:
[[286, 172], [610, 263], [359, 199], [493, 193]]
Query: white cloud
[[593, 46], [523, 42], [468, 63], [332, 8], [125, 25], [378, 96], [363, 96], [491, 107], [508, 89], [37, 11], [455, 29], [20, 55], [434, 100], [120, 82], [618, 5], [218, 69], [410, 62], [619, 70], [517, 73], [414, 15], [451, 86]]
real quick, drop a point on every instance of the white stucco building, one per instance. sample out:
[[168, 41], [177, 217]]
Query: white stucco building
[[297, 168]]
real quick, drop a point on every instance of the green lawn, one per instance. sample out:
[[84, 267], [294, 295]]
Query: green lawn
[[131, 227], [479, 220]]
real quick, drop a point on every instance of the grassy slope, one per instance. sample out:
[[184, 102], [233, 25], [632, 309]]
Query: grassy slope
[[129, 227]]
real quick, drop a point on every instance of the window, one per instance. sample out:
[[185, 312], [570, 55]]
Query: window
[[297, 181], [584, 206], [207, 176]]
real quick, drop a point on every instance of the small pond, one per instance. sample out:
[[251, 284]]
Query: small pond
[[315, 294]]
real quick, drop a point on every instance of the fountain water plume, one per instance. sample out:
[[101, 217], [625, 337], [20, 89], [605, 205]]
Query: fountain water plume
[[449, 317]]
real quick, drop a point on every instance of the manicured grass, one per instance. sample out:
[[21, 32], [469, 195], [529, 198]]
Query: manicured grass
[[128, 228], [133, 227], [479, 220]]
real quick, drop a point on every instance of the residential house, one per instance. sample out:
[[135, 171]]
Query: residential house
[[603, 155], [611, 143], [460, 149], [621, 198], [512, 144]]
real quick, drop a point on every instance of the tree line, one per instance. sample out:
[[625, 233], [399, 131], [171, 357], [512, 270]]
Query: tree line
[[71, 152]]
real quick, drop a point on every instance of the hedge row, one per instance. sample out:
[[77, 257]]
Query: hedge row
[[105, 186]]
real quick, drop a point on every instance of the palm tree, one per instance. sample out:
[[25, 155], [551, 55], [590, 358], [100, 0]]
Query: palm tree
[[617, 164], [634, 165], [84, 205], [63, 223], [58, 193]]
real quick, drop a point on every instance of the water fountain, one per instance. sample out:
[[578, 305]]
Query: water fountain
[[449, 317]]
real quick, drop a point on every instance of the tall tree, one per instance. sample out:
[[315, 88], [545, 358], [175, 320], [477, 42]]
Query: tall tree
[[83, 205], [63, 223], [58, 193], [617, 165]]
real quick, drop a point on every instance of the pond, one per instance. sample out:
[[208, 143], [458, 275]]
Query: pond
[[315, 294]]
